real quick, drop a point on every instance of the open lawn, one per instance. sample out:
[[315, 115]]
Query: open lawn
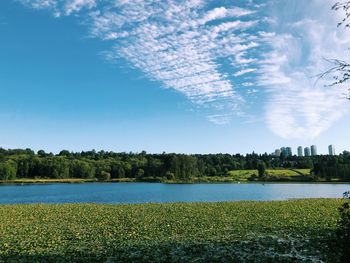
[[279, 231], [244, 175]]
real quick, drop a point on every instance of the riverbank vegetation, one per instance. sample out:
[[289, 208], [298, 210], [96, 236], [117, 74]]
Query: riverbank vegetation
[[276, 231], [27, 166]]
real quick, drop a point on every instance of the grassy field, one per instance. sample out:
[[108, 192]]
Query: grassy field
[[292, 174], [280, 231]]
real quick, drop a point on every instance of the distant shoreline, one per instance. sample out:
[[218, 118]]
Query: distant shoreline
[[157, 180]]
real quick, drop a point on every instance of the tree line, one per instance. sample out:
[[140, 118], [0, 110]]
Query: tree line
[[103, 165]]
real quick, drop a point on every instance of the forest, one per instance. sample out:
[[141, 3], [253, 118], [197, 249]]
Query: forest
[[104, 165]]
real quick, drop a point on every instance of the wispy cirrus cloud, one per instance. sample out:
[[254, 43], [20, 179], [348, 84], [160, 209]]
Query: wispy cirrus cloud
[[223, 12], [174, 43], [177, 43], [77, 5], [219, 54], [298, 104], [244, 71], [60, 7], [39, 4]]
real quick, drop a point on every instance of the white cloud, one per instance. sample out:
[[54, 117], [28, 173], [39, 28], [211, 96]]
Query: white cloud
[[214, 14], [222, 12], [172, 42], [59, 7], [220, 119], [39, 4], [173, 45], [77, 5], [244, 71], [233, 25], [201, 51], [297, 106], [247, 84], [300, 111]]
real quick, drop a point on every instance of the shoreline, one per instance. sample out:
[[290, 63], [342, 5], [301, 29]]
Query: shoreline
[[154, 180]]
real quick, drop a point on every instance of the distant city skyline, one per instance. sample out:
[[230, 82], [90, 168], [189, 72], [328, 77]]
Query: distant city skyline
[[301, 151], [313, 150], [331, 150], [307, 152]]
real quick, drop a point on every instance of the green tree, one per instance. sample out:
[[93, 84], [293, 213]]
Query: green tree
[[140, 173], [81, 169], [117, 171], [42, 153], [104, 176], [343, 231], [8, 170], [64, 153], [261, 168]]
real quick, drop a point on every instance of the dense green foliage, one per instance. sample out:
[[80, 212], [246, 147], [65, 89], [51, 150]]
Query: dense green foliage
[[261, 168], [142, 166], [278, 231], [343, 230]]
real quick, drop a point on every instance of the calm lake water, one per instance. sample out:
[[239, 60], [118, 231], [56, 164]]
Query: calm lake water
[[154, 192]]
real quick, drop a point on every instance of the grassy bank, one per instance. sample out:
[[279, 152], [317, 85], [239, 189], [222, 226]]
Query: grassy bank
[[281, 231], [43, 181], [272, 175], [66, 180]]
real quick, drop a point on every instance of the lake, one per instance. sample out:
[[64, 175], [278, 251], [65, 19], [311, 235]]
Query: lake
[[159, 193]]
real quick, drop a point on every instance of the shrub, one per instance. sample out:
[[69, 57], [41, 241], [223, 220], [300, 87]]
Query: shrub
[[261, 168], [343, 233], [170, 175], [104, 176], [8, 170]]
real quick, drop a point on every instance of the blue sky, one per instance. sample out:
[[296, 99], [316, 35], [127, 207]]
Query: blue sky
[[177, 76]]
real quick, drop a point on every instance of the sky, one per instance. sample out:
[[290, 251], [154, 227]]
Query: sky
[[192, 76]]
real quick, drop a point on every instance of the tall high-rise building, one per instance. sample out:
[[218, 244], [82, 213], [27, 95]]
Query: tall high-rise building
[[300, 151], [289, 151], [331, 150], [313, 150], [307, 151], [284, 151], [277, 152]]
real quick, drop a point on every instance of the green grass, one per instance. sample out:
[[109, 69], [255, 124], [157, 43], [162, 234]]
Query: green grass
[[302, 171], [46, 180], [244, 175], [279, 231], [65, 180]]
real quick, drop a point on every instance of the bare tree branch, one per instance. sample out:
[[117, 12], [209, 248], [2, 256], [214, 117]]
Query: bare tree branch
[[340, 71], [345, 6]]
